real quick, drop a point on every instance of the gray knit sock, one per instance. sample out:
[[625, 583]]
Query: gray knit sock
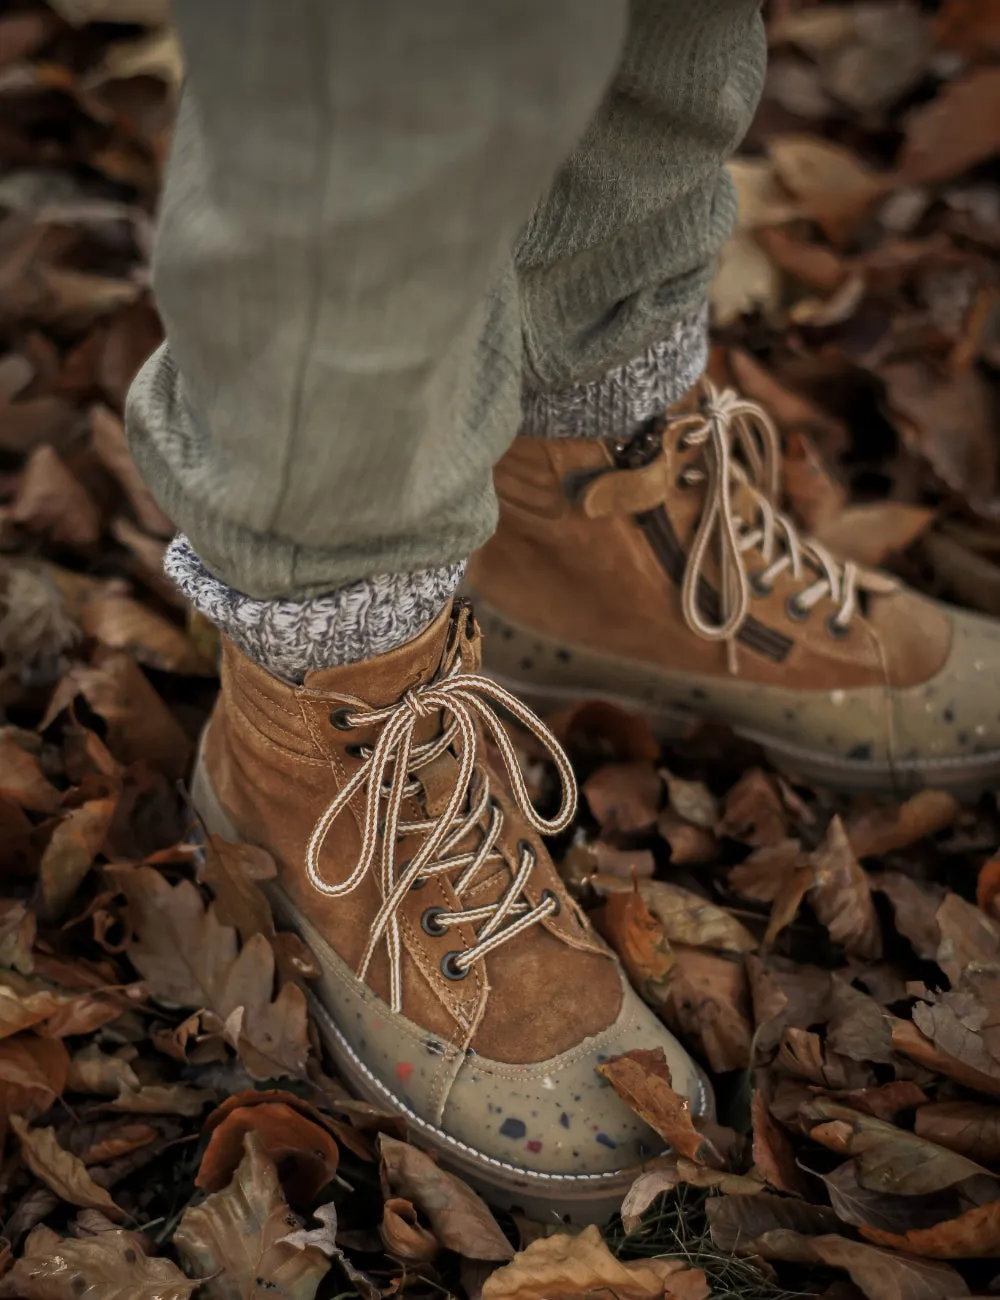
[[294, 637], [626, 397]]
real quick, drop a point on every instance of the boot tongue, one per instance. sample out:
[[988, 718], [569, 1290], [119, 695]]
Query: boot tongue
[[383, 680]]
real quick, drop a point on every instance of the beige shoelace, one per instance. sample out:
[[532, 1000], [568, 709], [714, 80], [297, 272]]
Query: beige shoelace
[[727, 423], [388, 775]]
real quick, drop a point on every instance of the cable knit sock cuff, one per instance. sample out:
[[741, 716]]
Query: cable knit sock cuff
[[294, 637], [614, 405]]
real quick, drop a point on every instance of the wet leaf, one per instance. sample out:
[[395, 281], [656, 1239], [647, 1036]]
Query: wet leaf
[[58, 1169], [642, 1079], [841, 895], [109, 1266], [561, 1267], [235, 1238], [458, 1218], [305, 1153]]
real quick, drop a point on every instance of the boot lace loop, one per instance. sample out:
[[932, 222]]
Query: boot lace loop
[[727, 423], [390, 773]]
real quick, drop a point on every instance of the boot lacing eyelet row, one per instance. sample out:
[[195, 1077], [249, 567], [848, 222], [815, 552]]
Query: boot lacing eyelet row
[[389, 773]]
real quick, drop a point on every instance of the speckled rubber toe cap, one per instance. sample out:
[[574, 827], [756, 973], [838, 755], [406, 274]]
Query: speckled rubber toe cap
[[554, 1119]]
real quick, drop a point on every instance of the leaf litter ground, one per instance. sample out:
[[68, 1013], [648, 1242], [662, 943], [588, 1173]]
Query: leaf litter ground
[[835, 964]]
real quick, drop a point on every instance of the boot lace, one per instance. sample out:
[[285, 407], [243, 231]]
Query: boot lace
[[389, 774], [742, 457]]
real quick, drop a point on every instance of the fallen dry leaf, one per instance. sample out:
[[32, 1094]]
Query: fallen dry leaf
[[231, 870], [51, 500], [773, 1153], [688, 843], [111, 1265], [870, 534], [118, 1138], [624, 796], [123, 624], [830, 181], [561, 1267], [887, 1158], [234, 1238], [915, 904], [91, 1070], [304, 1152], [896, 826], [988, 888], [21, 775], [969, 938], [18, 925], [402, 1234], [161, 1099], [841, 897], [639, 940], [460, 1220], [33, 1074], [908, 1039], [108, 438], [70, 853], [692, 800], [967, 1127], [189, 958], [642, 1079], [58, 1169], [953, 131], [686, 917], [754, 812], [707, 1006]]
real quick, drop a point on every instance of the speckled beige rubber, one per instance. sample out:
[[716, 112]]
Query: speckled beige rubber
[[547, 1137], [871, 738]]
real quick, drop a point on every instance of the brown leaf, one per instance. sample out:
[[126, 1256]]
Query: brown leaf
[[64, 1173], [841, 896], [915, 904], [625, 863], [766, 874], [51, 500], [974, 1234], [949, 422], [402, 1235], [235, 1238], [21, 775], [666, 1176], [639, 940], [231, 870], [459, 1219], [108, 439], [114, 1140], [858, 1027], [70, 853], [23, 1005], [754, 812], [562, 1267], [956, 129], [642, 1079], [969, 938], [17, 935], [988, 888], [91, 1070], [624, 796], [692, 800], [305, 1153], [773, 1154], [908, 1039], [830, 181], [708, 1006], [870, 533], [123, 624], [886, 1101], [888, 1159], [813, 494], [189, 958], [604, 732], [786, 994], [970, 27], [161, 1099], [688, 843], [686, 917], [139, 724], [346, 1134], [964, 1126], [32, 1073], [109, 1266], [890, 827]]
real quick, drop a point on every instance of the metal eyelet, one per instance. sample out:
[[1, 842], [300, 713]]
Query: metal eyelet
[[448, 968], [355, 751], [837, 630], [430, 924], [340, 718], [759, 587], [546, 895], [795, 611], [525, 846]]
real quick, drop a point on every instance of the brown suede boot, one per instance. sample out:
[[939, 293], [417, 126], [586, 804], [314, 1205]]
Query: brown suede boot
[[461, 984], [661, 575]]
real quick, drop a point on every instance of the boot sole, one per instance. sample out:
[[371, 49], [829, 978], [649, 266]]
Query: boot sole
[[638, 689], [575, 1198]]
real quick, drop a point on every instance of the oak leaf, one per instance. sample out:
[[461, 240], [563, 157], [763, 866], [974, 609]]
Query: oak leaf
[[107, 1266]]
